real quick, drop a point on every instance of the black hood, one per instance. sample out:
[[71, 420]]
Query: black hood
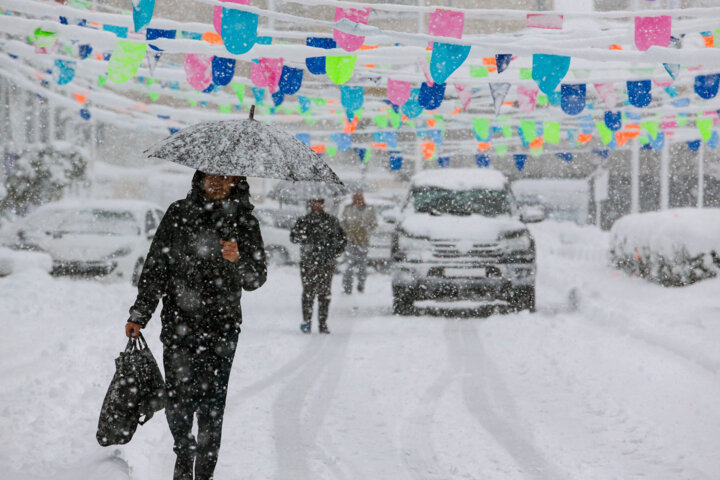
[[240, 193]]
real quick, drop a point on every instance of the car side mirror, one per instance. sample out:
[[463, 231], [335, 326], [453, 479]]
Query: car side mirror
[[530, 214], [390, 217]]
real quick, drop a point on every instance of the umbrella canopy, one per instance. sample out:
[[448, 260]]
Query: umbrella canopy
[[243, 147], [295, 192]]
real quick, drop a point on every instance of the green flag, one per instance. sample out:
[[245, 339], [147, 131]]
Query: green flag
[[551, 132], [606, 135], [705, 125], [340, 69], [501, 150], [125, 60], [381, 121], [528, 130], [652, 127], [482, 128], [239, 90]]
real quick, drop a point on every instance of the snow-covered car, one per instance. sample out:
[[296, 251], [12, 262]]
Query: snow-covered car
[[103, 238], [278, 247], [381, 239], [460, 236]]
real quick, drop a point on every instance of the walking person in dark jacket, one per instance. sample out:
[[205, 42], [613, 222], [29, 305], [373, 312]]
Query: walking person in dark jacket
[[207, 249], [322, 240]]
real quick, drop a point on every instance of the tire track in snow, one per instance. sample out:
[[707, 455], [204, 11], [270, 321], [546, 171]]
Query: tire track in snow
[[482, 388], [296, 427], [418, 453]]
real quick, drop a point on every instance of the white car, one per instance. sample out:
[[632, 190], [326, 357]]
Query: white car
[[278, 247], [102, 238]]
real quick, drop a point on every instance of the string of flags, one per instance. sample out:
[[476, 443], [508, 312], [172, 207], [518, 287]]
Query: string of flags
[[506, 95]]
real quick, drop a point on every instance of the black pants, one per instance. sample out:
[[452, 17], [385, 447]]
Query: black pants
[[196, 383], [316, 282]]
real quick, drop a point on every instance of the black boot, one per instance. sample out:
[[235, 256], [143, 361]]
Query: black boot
[[324, 328], [184, 467]]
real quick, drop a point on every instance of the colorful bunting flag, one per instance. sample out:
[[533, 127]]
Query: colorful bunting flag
[[347, 41]]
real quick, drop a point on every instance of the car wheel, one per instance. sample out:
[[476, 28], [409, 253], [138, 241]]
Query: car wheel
[[137, 270], [277, 256], [523, 298], [402, 301]]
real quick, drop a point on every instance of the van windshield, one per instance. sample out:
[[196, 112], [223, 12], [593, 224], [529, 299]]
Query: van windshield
[[438, 201]]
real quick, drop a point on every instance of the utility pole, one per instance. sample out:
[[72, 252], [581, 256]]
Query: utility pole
[[665, 176], [701, 175], [635, 177]]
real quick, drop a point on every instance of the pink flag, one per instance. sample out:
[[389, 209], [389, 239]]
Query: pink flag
[[398, 92], [446, 23], [607, 93], [266, 73], [348, 41], [651, 31], [198, 68], [544, 20], [217, 12], [527, 98], [464, 93]]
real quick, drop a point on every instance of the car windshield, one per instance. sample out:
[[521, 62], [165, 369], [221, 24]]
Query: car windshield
[[489, 203], [100, 222]]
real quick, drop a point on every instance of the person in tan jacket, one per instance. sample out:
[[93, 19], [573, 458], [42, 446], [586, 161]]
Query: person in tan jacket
[[359, 222]]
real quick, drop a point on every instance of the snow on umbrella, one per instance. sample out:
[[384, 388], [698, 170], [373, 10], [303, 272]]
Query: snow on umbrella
[[243, 147], [301, 191]]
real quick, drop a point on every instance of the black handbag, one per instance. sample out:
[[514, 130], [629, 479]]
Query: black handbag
[[136, 392]]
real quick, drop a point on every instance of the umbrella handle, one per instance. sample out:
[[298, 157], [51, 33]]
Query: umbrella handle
[[252, 112]]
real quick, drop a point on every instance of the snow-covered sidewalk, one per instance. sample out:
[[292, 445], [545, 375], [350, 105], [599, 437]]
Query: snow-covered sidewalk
[[614, 377]]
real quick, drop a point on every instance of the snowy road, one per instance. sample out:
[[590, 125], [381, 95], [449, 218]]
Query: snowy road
[[612, 378]]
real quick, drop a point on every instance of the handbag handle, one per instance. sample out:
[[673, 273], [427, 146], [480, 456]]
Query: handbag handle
[[136, 343]]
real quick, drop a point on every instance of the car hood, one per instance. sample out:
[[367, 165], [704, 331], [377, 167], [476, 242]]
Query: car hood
[[452, 227], [83, 248]]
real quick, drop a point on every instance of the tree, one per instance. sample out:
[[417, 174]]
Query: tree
[[41, 174]]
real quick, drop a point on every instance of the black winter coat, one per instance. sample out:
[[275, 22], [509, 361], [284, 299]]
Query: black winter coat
[[321, 238], [201, 290]]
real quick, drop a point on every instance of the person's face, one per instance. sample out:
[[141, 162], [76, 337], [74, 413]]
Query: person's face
[[218, 187], [317, 206], [358, 199]]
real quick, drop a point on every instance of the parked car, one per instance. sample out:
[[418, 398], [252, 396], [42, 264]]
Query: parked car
[[459, 236], [278, 247], [381, 239], [102, 238]]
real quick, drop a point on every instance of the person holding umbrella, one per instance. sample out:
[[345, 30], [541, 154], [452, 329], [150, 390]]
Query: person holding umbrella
[[322, 240], [207, 249]]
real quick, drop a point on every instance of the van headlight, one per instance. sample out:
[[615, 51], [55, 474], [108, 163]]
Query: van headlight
[[410, 248], [519, 241]]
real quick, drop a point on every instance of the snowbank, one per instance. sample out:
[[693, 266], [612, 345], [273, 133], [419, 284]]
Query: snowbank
[[461, 179], [13, 261], [672, 247]]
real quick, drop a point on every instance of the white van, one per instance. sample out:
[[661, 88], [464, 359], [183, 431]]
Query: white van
[[459, 236]]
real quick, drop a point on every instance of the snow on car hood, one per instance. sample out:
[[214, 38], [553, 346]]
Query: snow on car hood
[[83, 248], [453, 227]]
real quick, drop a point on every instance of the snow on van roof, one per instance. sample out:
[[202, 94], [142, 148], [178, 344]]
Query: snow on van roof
[[461, 179]]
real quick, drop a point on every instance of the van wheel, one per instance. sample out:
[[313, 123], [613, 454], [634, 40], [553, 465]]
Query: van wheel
[[137, 271], [523, 298], [402, 301]]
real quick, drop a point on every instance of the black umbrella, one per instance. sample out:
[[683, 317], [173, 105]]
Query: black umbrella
[[243, 147], [294, 192]]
